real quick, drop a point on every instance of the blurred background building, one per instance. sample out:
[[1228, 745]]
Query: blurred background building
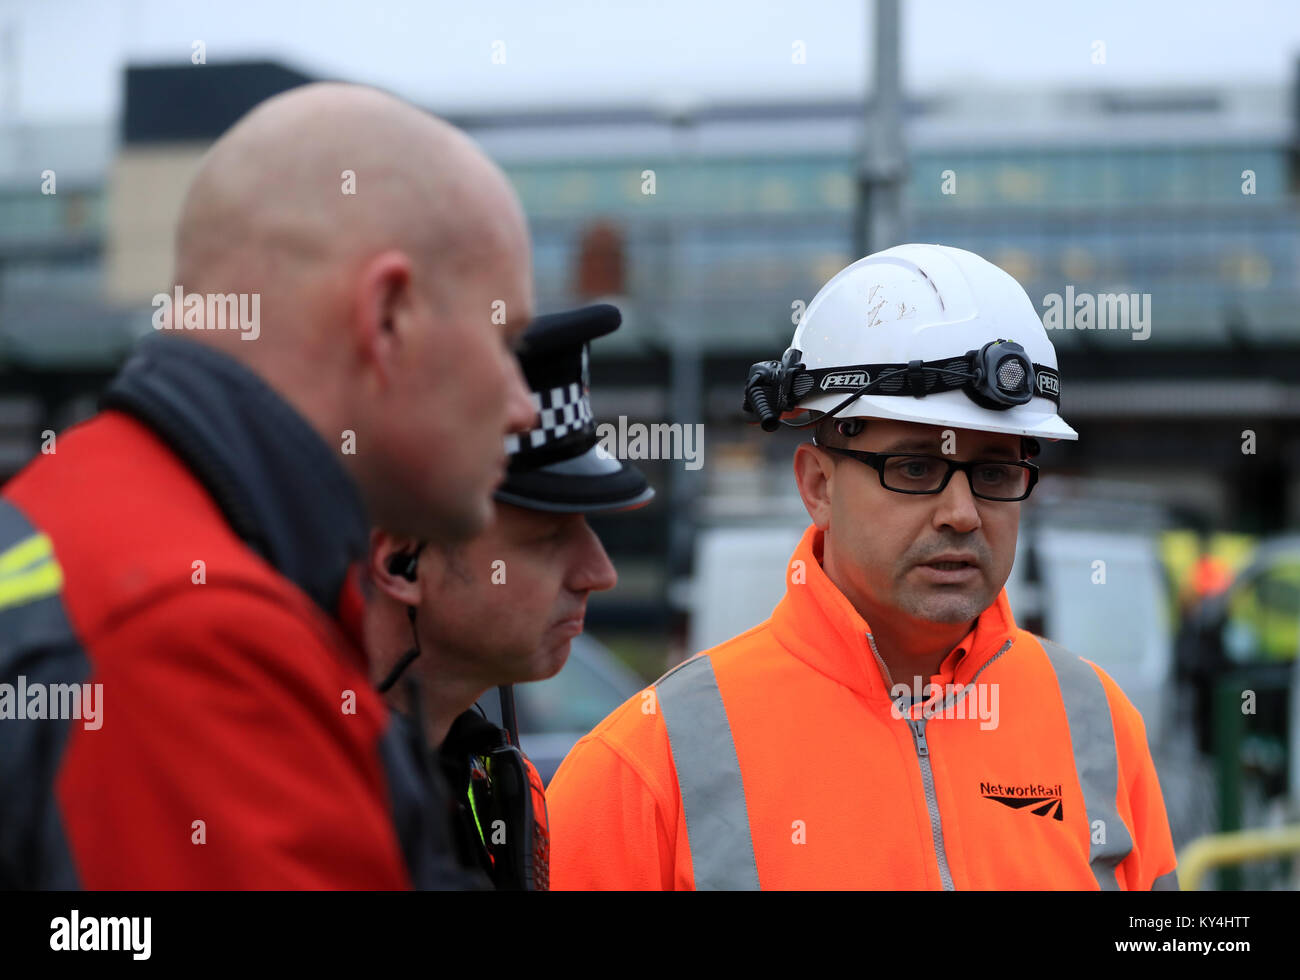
[[711, 224]]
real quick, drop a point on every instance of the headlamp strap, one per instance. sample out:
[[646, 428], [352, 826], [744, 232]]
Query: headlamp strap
[[917, 378]]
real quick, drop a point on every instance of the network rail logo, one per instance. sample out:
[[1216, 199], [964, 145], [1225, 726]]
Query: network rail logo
[[1047, 801]]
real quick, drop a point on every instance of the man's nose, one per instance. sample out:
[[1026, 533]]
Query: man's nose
[[592, 571], [957, 508], [521, 413]]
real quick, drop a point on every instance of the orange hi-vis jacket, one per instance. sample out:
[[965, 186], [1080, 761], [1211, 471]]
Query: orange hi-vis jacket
[[778, 760]]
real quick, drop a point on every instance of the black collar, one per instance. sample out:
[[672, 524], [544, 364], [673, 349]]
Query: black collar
[[284, 492], [471, 734]]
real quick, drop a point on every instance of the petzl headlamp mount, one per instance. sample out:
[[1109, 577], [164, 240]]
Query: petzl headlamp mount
[[769, 390], [998, 376]]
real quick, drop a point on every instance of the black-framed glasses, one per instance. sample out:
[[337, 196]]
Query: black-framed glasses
[[990, 479]]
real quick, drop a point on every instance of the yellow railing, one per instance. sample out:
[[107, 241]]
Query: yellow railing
[[1217, 850]]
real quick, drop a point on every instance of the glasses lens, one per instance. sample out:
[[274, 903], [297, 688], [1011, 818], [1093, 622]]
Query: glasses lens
[[924, 474], [999, 481], [914, 474]]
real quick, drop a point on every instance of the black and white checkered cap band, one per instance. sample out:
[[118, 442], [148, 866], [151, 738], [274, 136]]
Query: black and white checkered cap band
[[563, 411]]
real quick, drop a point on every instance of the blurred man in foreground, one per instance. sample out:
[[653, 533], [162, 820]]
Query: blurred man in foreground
[[504, 607], [191, 552]]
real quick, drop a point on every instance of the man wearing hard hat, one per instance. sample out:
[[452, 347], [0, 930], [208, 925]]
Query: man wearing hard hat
[[890, 726]]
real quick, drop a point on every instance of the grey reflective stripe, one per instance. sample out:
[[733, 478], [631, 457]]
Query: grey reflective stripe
[[708, 777], [1092, 738], [1167, 882]]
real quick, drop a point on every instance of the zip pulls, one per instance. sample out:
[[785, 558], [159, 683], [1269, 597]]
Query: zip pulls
[[918, 736], [904, 705]]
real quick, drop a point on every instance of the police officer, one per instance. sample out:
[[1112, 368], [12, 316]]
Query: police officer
[[504, 607]]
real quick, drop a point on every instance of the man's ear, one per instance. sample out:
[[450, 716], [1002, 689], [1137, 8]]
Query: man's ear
[[384, 570], [813, 471], [382, 299]]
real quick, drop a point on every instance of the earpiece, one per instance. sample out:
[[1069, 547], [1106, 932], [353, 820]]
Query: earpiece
[[405, 564]]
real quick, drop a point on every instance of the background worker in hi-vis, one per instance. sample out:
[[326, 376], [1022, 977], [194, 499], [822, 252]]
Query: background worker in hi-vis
[[890, 726]]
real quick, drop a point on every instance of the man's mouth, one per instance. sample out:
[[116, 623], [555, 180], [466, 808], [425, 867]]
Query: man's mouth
[[951, 568], [572, 623]]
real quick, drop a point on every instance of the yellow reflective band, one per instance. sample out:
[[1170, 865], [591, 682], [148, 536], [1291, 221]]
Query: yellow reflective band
[[27, 552], [474, 810], [27, 586]]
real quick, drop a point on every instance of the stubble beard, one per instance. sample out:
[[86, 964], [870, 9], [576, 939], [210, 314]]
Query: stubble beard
[[943, 604]]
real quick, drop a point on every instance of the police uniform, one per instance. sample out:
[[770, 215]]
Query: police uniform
[[560, 468]]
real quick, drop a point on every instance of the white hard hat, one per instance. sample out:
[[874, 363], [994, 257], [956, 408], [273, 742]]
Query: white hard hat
[[931, 321]]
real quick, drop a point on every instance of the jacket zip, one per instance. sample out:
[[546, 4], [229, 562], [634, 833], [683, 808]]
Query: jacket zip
[[917, 727]]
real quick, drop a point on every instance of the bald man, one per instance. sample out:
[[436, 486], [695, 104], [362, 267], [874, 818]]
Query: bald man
[[184, 700]]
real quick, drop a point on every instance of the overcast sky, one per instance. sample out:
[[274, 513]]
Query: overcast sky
[[63, 58]]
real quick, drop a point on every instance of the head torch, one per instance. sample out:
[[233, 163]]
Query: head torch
[[998, 376]]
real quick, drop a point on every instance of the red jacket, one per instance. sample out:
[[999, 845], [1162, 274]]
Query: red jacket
[[204, 536]]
